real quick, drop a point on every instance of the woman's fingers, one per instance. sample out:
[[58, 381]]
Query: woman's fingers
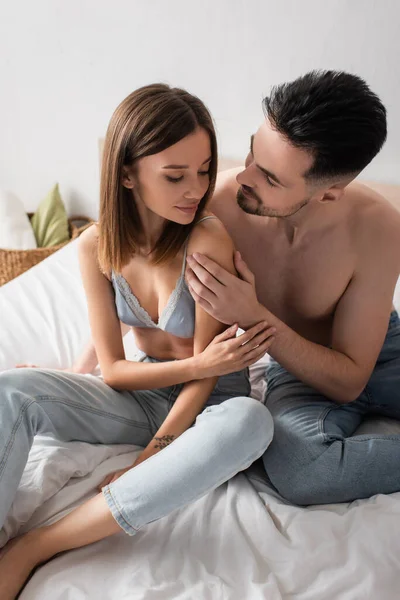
[[249, 334], [105, 482], [111, 478], [257, 353], [227, 334], [259, 339]]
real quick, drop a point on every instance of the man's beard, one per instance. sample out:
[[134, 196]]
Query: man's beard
[[256, 206]]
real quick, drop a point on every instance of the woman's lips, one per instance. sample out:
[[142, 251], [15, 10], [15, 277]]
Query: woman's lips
[[188, 209]]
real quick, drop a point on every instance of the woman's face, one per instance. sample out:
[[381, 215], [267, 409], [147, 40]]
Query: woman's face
[[172, 183]]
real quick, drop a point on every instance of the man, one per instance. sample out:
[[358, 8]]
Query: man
[[321, 259]]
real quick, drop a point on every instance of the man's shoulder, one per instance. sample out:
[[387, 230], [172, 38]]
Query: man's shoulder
[[389, 192], [381, 197], [375, 221]]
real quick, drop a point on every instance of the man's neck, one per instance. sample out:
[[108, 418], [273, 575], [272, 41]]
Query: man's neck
[[308, 219]]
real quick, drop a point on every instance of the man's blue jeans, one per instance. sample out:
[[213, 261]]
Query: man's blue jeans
[[314, 458]]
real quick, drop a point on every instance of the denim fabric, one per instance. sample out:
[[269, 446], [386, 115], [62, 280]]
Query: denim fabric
[[314, 457], [227, 436]]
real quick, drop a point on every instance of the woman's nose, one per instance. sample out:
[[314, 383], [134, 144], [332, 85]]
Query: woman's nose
[[196, 191]]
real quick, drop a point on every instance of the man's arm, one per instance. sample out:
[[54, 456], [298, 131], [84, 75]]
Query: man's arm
[[359, 326], [360, 322]]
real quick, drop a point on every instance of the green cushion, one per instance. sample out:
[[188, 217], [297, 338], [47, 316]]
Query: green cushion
[[50, 221]]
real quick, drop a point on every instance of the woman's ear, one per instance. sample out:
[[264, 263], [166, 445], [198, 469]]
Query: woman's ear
[[128, 179]]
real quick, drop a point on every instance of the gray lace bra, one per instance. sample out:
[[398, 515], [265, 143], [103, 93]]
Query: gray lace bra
[[177, 317]]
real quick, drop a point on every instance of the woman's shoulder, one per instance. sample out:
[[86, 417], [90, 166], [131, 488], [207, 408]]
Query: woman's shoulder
[[209, 233], [89, 237], [87, 244], [208, 223]]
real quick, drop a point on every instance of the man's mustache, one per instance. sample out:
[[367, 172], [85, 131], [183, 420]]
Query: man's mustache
[[249, 192]]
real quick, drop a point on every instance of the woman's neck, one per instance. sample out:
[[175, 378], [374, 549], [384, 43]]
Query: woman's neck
[[152, 226]]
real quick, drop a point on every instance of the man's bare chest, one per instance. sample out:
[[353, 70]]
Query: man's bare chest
[[298, 283]]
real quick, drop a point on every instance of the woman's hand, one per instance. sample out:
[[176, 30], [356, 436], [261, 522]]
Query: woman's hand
[[111, 477], [227, 353]]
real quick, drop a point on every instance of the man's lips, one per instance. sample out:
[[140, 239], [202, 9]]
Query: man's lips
[[247, 194]]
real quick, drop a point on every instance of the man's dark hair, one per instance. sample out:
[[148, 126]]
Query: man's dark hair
[[334, 116]]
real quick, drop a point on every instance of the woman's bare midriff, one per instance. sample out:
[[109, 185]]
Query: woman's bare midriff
[[162, 345]]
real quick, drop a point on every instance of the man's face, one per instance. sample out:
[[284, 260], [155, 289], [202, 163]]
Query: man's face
[[273, 183]]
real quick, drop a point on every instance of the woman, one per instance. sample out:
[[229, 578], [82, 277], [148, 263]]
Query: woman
[[159, 170]]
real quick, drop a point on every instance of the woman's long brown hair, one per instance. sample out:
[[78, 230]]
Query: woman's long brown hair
[[148, 121]]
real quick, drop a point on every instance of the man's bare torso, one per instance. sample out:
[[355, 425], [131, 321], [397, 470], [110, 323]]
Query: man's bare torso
[[301, 276]]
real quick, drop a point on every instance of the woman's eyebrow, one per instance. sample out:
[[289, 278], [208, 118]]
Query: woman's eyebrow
[[184, 166]]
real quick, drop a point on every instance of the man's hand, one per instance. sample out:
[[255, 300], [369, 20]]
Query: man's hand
[[227, 298]]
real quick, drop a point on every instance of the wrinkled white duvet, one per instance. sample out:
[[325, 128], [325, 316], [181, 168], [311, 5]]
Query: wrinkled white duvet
[[240, 542]]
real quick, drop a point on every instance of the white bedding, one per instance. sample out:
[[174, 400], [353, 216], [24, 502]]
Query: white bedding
[[240, 542]]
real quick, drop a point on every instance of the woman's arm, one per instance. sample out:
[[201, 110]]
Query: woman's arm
[[223, 356], [106, 331], [214, 239], [87, 360]]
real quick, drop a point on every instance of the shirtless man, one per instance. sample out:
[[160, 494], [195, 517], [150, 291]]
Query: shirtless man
[[321, 259]]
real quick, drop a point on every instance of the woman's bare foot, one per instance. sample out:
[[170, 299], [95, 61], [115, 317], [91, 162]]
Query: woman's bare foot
[[17, 560]]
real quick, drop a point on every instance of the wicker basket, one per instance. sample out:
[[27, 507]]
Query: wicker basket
[[15, 262]]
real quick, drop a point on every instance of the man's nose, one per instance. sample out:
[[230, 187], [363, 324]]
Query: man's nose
[[246, 177]]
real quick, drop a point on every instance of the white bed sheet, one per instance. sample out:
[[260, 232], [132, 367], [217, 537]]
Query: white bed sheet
[[240, 542]]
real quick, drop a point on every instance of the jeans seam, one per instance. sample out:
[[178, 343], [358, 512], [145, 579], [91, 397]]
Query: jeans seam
[[61, 400], [89, 409], [368, 394], [121, 515], [321, 422], [10, 444]]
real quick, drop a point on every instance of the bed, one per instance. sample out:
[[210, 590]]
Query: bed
[[239, 542]]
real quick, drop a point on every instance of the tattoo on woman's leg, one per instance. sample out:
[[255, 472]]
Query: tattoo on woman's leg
[[164, 441]]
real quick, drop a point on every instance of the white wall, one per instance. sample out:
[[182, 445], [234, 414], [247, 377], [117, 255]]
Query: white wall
[[66, 65]]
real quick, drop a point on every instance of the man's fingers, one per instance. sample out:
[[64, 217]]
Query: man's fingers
[[203, 303], [243, 269], [205, 277], [200, 289], [200, 260]]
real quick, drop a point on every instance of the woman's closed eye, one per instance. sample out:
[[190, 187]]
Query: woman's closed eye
[[177, 179]]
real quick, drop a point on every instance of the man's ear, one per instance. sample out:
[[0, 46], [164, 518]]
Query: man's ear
[[336, 190], [128, 178], [333, 193]]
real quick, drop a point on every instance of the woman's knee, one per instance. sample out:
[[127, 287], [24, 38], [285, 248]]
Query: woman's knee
[[16, 386], [251, 419], [9, 381]]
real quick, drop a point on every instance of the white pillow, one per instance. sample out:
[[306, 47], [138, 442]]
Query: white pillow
[[16, 231]]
